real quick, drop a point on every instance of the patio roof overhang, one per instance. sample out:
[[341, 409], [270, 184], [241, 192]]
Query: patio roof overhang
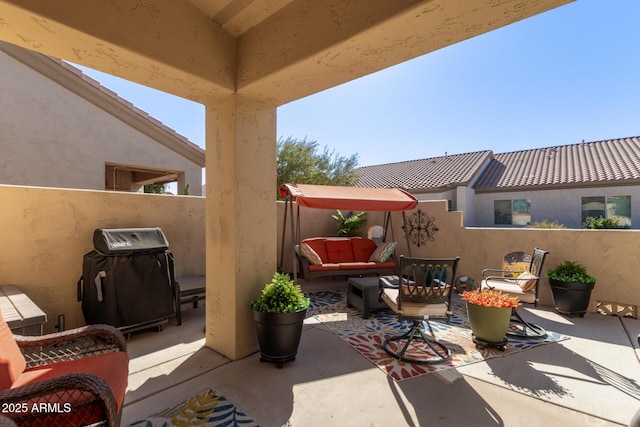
[[242, 59]]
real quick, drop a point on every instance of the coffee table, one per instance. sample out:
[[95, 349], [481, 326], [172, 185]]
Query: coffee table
[[363, 293]]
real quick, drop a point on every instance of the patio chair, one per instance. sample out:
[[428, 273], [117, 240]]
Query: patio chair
[[419, 293], [71, 378], [523, 283]]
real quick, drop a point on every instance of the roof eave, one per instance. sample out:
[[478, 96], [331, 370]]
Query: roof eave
[[561, 186]]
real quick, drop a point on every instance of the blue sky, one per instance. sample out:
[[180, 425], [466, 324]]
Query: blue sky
[[554, 79]]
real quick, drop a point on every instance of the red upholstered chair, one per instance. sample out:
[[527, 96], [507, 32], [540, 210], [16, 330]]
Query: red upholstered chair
[[72, 378]]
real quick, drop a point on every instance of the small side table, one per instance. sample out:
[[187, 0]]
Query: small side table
[[363, 292], [189, 289], [22, 315]]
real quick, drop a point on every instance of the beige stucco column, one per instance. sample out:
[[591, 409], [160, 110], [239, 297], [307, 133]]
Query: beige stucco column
[[241, 219]]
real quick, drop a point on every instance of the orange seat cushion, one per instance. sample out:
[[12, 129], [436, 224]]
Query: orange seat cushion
[[111, 367], [356, 265], [319, 247], [339, 251], [12, 362], [386, 264], [362, 249], [324, 267]]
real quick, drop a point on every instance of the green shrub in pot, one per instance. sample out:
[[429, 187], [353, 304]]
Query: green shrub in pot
[[279, 315], [571, 288], [570, 271], [282, 295]]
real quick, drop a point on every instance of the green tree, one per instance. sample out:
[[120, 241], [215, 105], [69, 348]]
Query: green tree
[[299, 162], [154, 188]]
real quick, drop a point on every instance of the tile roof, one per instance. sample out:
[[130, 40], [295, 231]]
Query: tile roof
[[613, 161], [609, 161], [436, 173]]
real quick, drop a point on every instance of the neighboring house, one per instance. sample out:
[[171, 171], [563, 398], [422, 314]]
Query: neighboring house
[[565, 184], [60, 128]]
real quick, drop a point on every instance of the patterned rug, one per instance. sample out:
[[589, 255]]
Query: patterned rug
[[367, 335], [207, 408]]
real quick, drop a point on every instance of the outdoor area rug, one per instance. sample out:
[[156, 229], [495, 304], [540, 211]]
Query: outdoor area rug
[[367, 335], [208, 408]]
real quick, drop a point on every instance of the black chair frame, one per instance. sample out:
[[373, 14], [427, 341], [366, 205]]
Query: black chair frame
[[422, 282], [522, 328]]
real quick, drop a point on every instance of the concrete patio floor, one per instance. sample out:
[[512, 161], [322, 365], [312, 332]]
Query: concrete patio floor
[[590, 379]]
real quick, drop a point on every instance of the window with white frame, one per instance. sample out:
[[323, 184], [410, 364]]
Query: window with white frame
[[609, 207], [512, 212]]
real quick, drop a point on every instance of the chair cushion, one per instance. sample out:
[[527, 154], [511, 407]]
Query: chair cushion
[[362, 248], [412, 309], [357, 265], [111, 367], [527, 281], [12, 362], [326, 266], [318, 246], [386, 265], [383, 252], [308, 252], [339, 250], [509, 287]]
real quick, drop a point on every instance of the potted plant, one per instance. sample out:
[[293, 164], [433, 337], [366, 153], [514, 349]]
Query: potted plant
[[571, 287], [489, 314], [279, 314], [349, 225]]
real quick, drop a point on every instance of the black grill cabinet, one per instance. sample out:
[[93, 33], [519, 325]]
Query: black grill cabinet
[[128, 279]]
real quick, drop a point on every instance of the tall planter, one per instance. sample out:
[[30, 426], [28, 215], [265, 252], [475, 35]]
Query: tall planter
[[571, 298], [489, 324], [279, 335]]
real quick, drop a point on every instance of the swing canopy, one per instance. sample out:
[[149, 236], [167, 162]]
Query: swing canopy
[[349, 198]]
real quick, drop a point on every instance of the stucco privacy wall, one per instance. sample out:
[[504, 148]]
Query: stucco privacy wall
[[45, 233], [50, 136], [609, 255]]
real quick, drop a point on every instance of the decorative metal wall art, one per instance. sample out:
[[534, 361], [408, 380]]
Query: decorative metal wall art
[[420, 228]]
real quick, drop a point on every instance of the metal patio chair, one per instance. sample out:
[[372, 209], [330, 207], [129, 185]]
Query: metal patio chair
[[422, 291], [524, 284]]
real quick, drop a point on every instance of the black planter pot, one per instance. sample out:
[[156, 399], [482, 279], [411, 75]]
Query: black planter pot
[[279, 335], [571, 298]]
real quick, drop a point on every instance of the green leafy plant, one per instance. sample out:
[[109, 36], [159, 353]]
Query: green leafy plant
[[570, 271], [546, 224], [600, 223], [282, 295], [154, 188], [350, 224]]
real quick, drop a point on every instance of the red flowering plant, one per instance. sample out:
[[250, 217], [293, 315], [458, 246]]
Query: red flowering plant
[[490, 298]]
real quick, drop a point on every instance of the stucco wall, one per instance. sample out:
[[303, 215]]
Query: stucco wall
[[562, 205], [46, 232], [609, 255], [52, 137]]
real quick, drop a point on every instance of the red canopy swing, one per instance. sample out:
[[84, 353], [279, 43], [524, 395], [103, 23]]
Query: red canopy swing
[[343, 198]]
